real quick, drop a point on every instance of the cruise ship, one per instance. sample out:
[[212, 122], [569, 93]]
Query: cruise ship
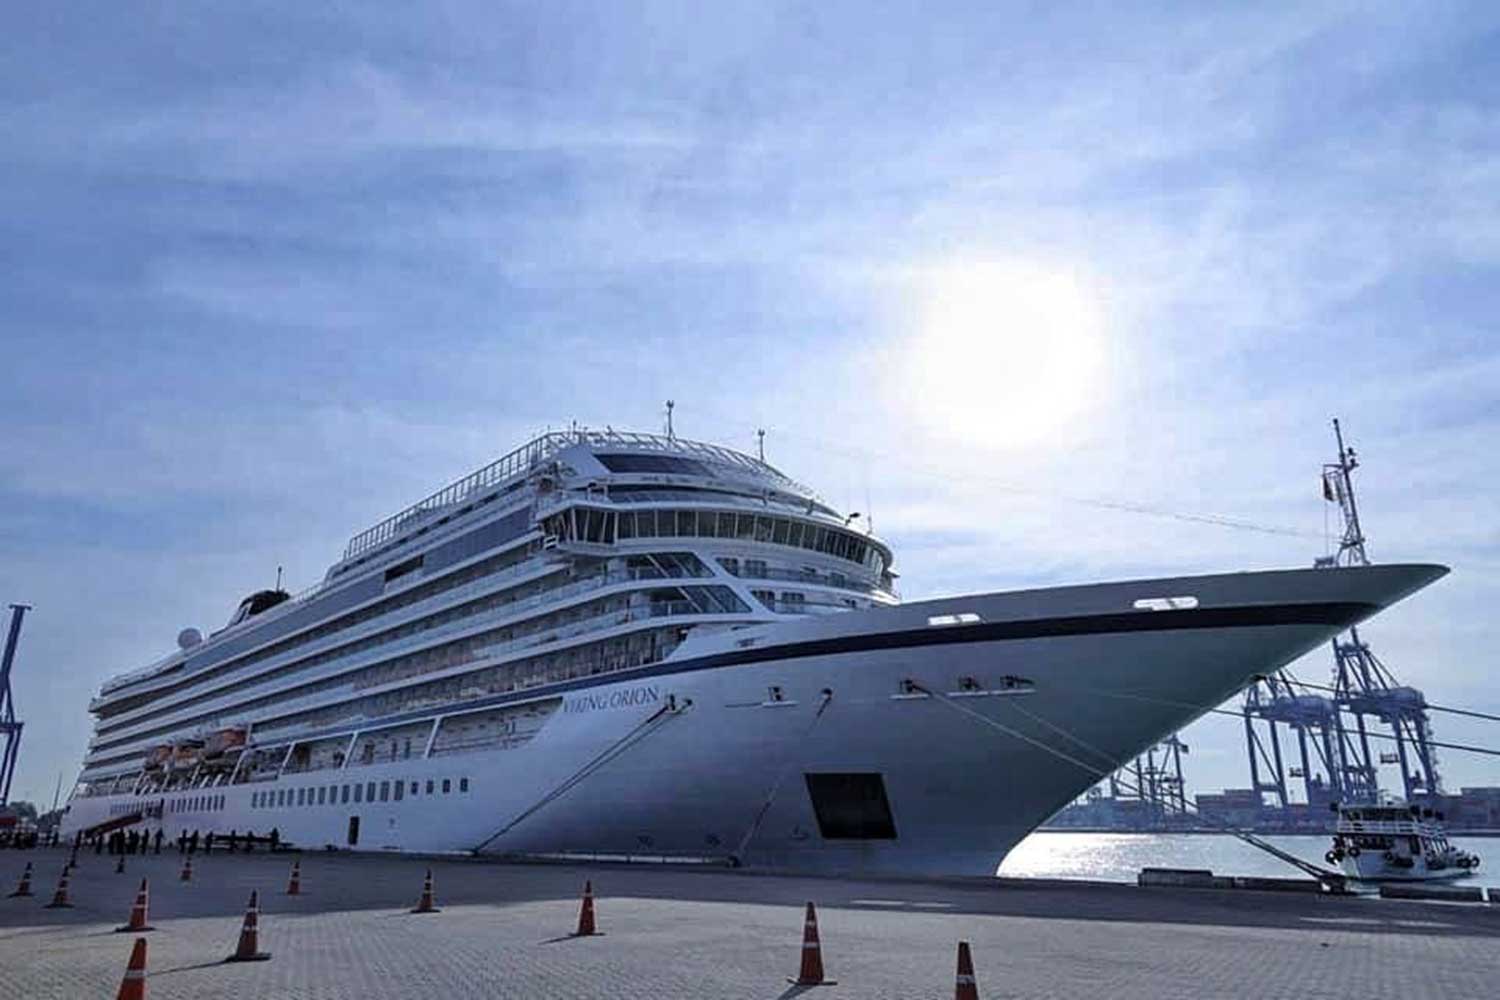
[[611, 644]]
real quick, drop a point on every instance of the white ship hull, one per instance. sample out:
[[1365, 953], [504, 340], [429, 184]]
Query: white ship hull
[[966, 774]]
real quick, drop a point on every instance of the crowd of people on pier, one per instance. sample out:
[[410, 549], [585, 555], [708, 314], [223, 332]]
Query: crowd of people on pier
[[145, 842]]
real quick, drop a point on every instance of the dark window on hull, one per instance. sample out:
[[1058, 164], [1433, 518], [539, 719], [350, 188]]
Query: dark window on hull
[[851, 806]]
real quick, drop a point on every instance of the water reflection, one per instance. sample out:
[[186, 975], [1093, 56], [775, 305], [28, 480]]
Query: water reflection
[[1117, 857]]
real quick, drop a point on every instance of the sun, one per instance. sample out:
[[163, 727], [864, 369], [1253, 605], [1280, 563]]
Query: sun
[[1007, 354]]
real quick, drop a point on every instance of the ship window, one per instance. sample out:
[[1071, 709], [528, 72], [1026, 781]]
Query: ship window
[[370, 792], [731, 566], [653, 463], [779, 531], [301, 794], [463, 784], [706, 524], [766, 597], [725, 526], [401, 569], [794, 533], [645, 523], [333, 794], [447, 786], [685, 520], [399, 790], [755, 568], [429, 786], [851, 806], [344, 795], [322, 795], [385, 791], [625, 524], [414, 787], [359, 792]]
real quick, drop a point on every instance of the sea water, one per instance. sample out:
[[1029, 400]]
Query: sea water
[[1118, 857]]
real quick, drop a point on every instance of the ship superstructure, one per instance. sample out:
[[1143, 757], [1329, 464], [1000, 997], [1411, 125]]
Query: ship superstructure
[[617, 643]]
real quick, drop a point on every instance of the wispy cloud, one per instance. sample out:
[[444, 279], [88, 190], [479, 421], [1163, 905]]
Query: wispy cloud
[[270, 274]]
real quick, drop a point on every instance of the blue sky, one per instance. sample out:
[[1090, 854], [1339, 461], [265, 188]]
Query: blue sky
[[269, 273]]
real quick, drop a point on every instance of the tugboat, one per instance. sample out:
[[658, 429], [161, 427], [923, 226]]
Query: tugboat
[[1396, 843]]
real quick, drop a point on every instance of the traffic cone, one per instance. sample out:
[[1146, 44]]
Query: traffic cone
[[120, 865], [425, 904], [133, 986], [294, 884], [24, 889], [811, 973], [60, 897], [965, 988], [187, 871], [138, 912], [249, 946], [586, 913]]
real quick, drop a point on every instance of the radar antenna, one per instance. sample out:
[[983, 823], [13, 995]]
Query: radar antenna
[[1338, 487]]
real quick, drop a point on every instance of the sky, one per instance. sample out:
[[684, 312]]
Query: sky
[[988, 273]]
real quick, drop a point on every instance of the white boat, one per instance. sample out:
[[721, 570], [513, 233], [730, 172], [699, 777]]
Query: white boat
[[629, 644], [1396, 843]]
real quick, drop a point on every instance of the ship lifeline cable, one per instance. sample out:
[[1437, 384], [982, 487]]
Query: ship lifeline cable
[[739, 849], [1332, 879], [647, 726], [1215, 710]]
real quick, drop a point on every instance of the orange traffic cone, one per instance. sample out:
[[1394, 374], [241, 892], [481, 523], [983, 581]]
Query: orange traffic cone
[[294, 884], [425, 904], [133, 986], [586, 913], [120, 866], [966, 988], [138, 912], [187, 871], [24, 889], [249, 946], [811, 973], [60, 897]]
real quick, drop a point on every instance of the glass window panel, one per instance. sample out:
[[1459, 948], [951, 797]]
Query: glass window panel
[[385, 791], [625, 524], [779, 532], [400, 790], [763, 528], [794, 533], [706, 519], [726, 525], [686, 523], [645, 524], [745, 527]]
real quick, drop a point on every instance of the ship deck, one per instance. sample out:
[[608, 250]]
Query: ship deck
[[673, 932]]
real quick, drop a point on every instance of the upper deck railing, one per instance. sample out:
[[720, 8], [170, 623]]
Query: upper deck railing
[[531, 455]]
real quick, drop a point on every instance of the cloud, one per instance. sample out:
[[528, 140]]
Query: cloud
[[270, 275]]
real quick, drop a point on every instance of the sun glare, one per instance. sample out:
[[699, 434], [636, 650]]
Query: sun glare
[[1007, 354]]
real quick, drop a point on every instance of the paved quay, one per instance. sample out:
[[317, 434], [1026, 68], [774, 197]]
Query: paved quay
[[670, 933]]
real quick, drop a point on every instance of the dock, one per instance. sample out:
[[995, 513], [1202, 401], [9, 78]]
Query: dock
[[505, 930]]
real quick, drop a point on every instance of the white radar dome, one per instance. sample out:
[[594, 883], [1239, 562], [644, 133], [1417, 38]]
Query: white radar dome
[[188, 638]]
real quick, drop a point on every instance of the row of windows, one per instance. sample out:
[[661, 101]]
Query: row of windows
[[369, 791], [423, 661], [605, 527], [343, 623], [196, 803]]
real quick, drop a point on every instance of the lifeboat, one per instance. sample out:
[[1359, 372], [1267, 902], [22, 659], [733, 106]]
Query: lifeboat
[[186, 754], [158, 756], [225, 740]]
